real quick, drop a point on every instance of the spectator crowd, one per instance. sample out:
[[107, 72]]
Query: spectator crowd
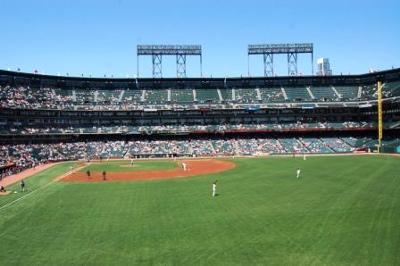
[[138, 99], [90, 129], [15, 158]]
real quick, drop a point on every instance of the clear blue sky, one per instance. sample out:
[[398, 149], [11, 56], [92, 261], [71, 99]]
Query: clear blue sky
[[98, 37]]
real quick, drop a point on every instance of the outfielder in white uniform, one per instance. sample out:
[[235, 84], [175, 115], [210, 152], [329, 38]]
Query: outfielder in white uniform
[[214, 188], [298, 173], [184, 166]]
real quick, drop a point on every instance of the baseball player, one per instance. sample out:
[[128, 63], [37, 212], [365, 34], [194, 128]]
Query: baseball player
[[104, 176], [184, 166], [298, 173], [214, 188], [22, 184]]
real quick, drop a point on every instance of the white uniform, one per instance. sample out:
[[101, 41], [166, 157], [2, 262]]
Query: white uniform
[[214, 189], [298, 173], [184, 166]]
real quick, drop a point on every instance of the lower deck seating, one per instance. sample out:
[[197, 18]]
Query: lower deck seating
[[337, 145], [292, 145], [315, 145]]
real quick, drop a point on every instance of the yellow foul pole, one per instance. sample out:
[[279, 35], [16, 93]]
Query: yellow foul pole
[[379, 116]]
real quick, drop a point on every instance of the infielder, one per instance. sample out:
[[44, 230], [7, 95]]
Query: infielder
[[104, 176]]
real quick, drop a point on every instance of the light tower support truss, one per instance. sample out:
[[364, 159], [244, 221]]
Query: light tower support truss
[[181, 66], [268, 65], [156, 59], [180, 51], [292, 64], [290, 49]]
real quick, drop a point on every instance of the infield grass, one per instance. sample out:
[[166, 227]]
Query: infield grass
[[126, 166], [342, 211]]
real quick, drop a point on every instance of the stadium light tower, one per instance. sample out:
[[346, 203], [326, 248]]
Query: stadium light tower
[[290, 49], [180, 51]]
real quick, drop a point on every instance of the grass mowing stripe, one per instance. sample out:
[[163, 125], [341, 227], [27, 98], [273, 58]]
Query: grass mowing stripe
[[34, 183], [24, 196], [343, 211], [125, 166]]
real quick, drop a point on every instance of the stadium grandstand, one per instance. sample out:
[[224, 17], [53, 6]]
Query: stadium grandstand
[[51, 118]]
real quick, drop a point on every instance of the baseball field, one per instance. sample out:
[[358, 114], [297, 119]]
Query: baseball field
[[343, 210]]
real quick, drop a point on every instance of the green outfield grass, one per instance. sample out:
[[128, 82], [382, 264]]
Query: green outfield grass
[[125, 166], [342, 211]]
